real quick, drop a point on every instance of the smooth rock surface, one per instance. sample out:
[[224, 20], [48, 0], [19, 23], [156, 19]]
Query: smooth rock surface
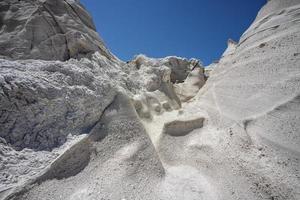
[[253, 95], [48, 30]]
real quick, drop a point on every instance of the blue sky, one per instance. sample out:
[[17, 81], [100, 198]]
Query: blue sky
[[158, 28]]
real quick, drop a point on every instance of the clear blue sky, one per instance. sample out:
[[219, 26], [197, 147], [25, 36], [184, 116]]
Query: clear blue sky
[[158, 28]]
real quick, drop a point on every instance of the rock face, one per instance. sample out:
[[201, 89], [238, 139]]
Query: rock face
[[100, 165], [168, 82], [99, 128], [253, 93], [46, 106], [47, 30], [182, 127], [231, 47], [42, 102]]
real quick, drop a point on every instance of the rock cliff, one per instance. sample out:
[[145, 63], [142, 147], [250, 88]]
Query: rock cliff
[[48, 30], [78, 123]]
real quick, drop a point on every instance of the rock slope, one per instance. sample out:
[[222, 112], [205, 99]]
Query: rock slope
[[99, 128], [253, 95], [48, 30]]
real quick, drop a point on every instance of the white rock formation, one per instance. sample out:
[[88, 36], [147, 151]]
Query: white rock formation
[[98, 128], [48, 30], [231, 47], [42, 102]]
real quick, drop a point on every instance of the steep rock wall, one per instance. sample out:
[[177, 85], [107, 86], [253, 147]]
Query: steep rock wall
[[48, 30]]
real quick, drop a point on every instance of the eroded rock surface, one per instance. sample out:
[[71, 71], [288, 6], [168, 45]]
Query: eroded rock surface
[[156, 128], [42, 102], [253, 94], [168, 82], [182, 127], [47, 30], [115, 150]]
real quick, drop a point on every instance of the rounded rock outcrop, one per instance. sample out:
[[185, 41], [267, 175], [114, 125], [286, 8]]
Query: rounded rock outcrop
[[48, 30]]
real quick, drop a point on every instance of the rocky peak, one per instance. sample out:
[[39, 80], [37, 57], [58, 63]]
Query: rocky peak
[[48, 30]]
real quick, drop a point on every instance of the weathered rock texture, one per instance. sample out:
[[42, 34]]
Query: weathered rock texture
[[47, 30], [153, 128], [168, 82], [253, 93], [183, 126], [46, 104], [100, 164], [42, 102]]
